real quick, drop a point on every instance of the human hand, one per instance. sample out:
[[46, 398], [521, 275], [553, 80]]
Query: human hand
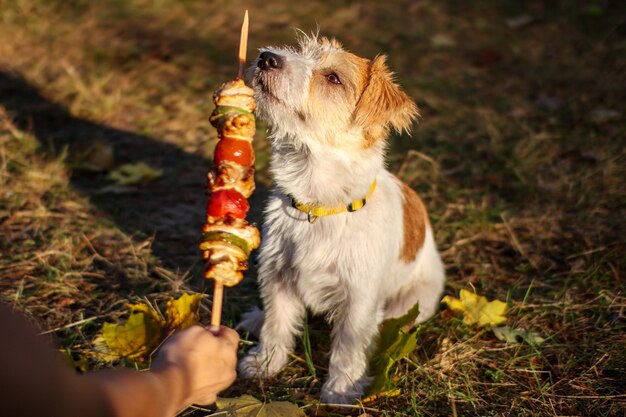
[[198, 362]]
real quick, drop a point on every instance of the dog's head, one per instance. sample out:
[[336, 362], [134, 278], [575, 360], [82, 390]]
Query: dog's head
[[323, 93]]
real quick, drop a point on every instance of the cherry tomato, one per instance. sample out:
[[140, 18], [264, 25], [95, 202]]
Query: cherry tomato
[[234, 150], [227, 202]]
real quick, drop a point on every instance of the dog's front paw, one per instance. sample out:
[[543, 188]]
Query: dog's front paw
[[249, 367], [261, 363], [349, 397], [343, 392]]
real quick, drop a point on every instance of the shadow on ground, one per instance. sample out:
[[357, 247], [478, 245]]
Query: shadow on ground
[[170, 209]]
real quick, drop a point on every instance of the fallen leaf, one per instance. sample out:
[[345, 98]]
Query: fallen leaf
[[476, 309], [146, 328], [394, 343], [130, 174], [183, 312], [96, 158], [134, 339], [80, 365], [517, 336], [248, 406], [371, 398], [148, 309]]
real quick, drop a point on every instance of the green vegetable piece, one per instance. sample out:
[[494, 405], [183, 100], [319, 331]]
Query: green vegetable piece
[[224, 111], [226, 237]]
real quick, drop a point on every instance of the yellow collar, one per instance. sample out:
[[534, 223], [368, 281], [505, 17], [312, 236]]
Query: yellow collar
[[315, 212]]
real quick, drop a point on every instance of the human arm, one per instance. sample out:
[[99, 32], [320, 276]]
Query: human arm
[[191, 367]]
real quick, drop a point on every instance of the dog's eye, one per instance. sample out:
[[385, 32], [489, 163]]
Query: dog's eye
[[333, 78]]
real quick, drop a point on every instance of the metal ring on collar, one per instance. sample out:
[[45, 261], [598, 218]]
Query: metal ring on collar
[[310, 217]]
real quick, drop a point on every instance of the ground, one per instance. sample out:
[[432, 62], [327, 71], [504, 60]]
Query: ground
[[518, 154]]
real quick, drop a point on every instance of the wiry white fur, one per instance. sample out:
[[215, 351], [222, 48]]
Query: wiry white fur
[[343, 266]]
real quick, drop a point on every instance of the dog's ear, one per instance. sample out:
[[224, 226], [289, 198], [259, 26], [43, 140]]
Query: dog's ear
[[382, 104]]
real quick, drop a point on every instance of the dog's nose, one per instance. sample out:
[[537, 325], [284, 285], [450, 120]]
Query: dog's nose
[[270, 61]]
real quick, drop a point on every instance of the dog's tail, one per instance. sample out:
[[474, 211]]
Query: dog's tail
[[252, 321]]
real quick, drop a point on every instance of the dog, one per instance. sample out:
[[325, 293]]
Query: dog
[[342, 236]]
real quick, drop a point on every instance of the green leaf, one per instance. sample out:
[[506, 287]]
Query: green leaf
[[517, 336], [248, 406], [183, 312], [394, 343], [131, 174]]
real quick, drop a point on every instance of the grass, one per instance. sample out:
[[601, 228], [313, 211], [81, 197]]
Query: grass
[[519, 155]]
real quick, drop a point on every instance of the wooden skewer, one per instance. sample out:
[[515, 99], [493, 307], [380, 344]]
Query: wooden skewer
[[218, 289], [243, 46], [216, 312]]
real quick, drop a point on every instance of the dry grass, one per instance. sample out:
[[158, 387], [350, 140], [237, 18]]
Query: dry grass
[[519, 156]]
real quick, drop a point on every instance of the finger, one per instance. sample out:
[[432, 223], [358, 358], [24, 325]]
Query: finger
[[207, 400], [215, 330], [229, 334]]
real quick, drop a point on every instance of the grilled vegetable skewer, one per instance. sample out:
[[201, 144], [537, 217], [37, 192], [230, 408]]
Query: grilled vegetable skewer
[[228, 238]]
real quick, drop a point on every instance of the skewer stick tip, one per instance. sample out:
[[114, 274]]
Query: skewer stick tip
[[243, 45]]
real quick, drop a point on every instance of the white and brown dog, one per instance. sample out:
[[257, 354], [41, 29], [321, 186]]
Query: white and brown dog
[[342, 236]]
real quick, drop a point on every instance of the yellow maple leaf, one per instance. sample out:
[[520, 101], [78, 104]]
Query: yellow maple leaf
[[380, 395], [148, 309], [183, 312], [145, 328], [134, 339], [476, 309], [248, 406], [80, 364]]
